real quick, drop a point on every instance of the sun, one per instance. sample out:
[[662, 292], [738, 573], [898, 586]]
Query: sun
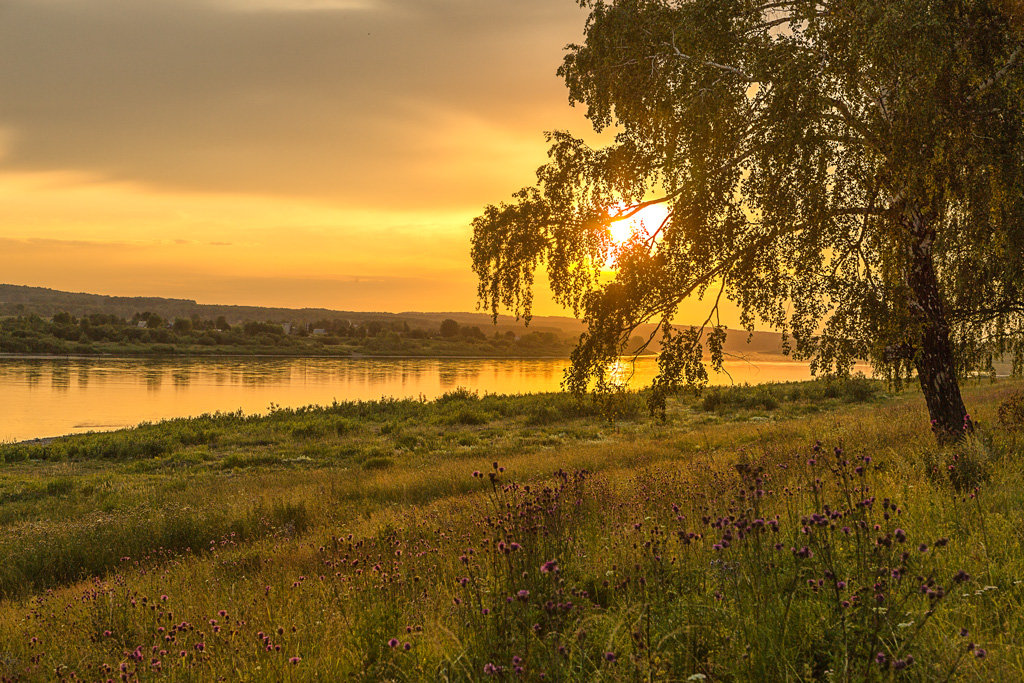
[[646, 221]]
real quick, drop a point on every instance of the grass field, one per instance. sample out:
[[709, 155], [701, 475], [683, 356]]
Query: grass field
[[789, 532]]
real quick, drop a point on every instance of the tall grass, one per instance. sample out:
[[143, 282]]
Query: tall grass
[[839, 545]]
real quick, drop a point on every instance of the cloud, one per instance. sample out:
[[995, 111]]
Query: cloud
[[398, 103], [299, 5]]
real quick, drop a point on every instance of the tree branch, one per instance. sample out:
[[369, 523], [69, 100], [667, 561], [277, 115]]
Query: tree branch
[[637, 208], [723, 67], [856, 124], [997, 75]]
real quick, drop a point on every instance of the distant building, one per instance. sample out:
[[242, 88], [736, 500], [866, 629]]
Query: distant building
[[287, 327], [319, 332], [141, 324]]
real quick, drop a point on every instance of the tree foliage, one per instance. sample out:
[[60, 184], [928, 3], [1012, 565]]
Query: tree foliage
[[846, 171], [449, 327]]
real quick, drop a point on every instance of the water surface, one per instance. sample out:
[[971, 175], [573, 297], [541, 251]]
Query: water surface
[[50, 397]]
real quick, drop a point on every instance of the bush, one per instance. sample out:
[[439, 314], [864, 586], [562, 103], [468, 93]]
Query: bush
[[378, 463], [771, 396], [309, 431], [544, 415], [1011, 412], [468, 417], [459, 394], [719, 399], [964, 466]]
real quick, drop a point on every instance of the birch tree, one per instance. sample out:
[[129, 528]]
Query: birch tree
[[848, 172]]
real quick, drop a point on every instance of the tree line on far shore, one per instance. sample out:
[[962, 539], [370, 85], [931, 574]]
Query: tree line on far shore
[[145, 332]]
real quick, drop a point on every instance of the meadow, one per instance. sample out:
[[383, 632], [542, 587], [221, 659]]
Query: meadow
[[809, 531]]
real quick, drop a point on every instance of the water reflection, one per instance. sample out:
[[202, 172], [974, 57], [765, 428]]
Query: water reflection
[[46, 397], [60, 377], [154, 378]]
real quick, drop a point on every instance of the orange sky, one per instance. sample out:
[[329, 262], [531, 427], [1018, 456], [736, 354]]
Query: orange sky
[[270, 152]]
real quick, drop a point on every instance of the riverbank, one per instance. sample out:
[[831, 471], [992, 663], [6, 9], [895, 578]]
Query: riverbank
[[471, 536], [161, 352], [46, 397], [284, 356], [146, 334]]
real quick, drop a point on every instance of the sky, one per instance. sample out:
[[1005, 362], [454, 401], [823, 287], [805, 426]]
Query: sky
[[271, 152]]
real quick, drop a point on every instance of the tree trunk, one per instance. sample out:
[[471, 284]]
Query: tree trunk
[[936, 368]]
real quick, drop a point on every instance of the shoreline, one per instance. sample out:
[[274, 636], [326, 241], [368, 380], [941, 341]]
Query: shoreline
[[264, 356], [46, 440], [138, 364], [753, 357]]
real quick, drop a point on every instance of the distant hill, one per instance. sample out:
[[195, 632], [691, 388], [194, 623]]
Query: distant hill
[[20, 300]]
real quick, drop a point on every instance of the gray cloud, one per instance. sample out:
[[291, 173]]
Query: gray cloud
[[404, 103]]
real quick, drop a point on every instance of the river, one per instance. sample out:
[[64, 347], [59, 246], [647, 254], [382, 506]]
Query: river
[[50, 397]]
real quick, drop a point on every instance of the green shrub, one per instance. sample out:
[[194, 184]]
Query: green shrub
[[719, 399], [771, 396], [460, 394], [378, 463], [468, 417], [343, 427], [1011, 412], [308, 431], [964, 466], [408, 441], [544, 414]]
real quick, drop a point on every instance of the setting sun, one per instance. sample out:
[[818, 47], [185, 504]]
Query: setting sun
[[646, 221]]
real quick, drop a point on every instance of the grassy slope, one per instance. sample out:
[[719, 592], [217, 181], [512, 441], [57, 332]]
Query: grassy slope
[[349, 526]]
